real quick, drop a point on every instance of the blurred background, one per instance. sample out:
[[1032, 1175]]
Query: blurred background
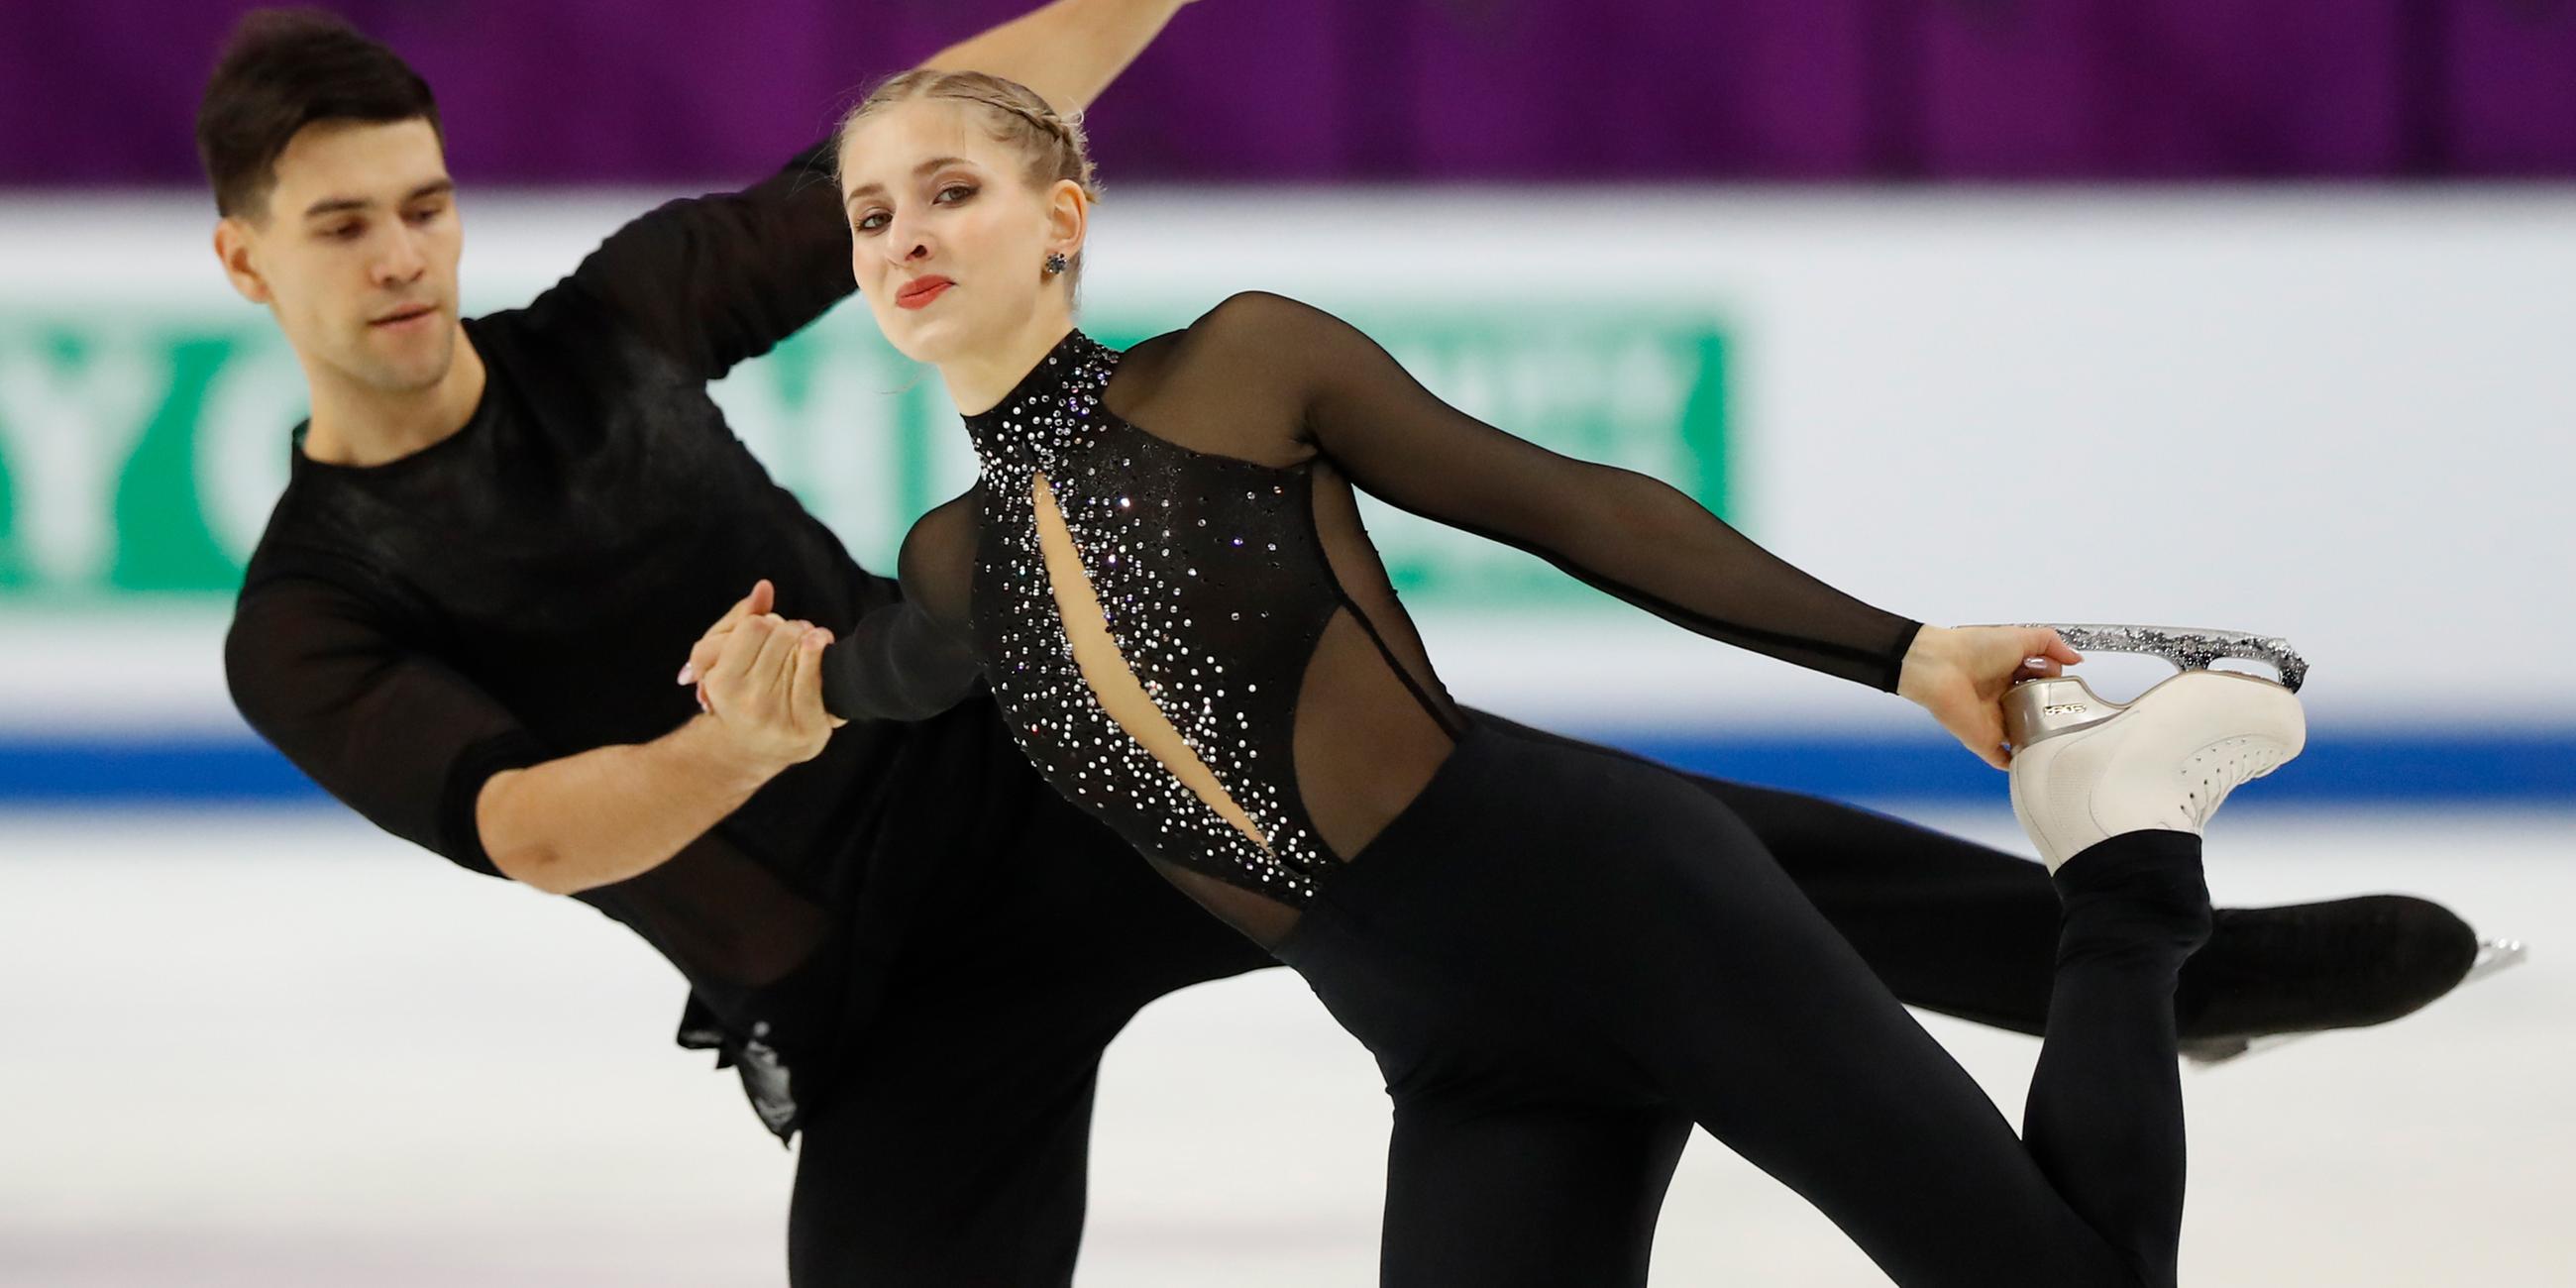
[[2193, 312]]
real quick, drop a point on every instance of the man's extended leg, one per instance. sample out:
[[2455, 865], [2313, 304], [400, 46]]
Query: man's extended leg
[[1960, 928], [1971, 931]]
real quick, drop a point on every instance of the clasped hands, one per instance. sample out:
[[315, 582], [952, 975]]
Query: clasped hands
[[760, 678]]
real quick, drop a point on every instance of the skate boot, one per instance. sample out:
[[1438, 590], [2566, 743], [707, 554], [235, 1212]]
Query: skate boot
[[2277, 981], [2085, 769]]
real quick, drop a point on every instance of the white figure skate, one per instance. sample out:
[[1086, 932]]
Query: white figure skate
[[2086, 769]]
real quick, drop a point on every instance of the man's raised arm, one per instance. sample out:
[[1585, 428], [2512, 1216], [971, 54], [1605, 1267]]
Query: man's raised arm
[[1068, 51]]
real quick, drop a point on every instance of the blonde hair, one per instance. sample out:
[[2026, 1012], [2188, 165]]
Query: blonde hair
[[1052, 143]]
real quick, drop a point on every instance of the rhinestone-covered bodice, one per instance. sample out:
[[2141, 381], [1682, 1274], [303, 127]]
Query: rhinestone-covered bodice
[[1215, 588]]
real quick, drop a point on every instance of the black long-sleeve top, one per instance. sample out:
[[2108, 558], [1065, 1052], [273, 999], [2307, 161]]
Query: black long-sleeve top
[[524, 589]]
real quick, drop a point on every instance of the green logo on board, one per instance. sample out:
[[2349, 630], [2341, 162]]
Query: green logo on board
[[139, 456]]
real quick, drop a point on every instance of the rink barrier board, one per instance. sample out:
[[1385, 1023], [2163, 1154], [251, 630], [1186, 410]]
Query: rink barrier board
[[2427, 768]]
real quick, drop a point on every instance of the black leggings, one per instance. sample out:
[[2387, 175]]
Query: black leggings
[[1562, 957], [951, 1147]]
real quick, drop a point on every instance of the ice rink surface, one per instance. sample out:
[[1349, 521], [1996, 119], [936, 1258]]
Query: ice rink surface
[[280, 1049]]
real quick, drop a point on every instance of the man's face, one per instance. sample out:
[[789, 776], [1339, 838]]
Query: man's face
[[356, 253]]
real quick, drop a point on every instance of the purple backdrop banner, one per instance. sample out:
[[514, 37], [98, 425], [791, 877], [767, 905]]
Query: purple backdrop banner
[[649, 91]]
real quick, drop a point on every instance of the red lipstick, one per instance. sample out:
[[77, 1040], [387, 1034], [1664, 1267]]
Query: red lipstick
[[920, 291]]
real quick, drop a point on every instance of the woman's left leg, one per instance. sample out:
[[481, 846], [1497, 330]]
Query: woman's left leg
[[1602, 895]]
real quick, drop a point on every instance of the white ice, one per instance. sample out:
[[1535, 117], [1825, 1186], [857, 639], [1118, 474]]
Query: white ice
[[279, 1049]]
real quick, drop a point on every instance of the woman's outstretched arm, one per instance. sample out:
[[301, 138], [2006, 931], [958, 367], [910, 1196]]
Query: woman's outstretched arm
[[1631, 535], [1624, 532]]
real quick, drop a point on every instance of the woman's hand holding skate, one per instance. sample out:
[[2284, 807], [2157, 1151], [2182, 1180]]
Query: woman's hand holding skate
[[1960, 675]]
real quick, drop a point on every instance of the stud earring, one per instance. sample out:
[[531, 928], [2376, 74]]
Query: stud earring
[[1055, 262]]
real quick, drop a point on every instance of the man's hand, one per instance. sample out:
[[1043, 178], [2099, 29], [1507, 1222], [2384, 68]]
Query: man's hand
[[1960, 675], [612, 813], [761, 678]]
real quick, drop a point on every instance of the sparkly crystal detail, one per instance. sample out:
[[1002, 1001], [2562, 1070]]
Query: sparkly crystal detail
[[1174, 557], [2190, 649]]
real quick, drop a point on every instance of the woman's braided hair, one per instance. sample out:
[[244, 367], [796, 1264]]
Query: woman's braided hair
[[1053, 143]]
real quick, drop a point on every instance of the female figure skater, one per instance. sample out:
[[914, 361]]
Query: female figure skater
[[1162, 575]]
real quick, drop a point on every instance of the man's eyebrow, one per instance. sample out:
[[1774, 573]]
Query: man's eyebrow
[[935, 163], [337, 205]]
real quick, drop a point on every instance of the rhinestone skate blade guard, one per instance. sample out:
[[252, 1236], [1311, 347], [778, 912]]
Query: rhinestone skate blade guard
[[2189, 648]]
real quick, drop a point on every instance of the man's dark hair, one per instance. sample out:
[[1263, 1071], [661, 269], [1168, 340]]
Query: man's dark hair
[[285, 69]]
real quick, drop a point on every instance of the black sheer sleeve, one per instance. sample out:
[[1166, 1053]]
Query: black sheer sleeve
[[719, 279], [1631, 535], [911, 659], [397, 736]]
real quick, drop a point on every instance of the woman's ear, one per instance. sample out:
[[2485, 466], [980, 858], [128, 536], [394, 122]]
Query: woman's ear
[[1068, 217]]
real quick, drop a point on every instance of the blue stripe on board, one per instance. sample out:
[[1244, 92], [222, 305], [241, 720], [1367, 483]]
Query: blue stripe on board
[[2404, 767], [2535, 767], [209, 770]]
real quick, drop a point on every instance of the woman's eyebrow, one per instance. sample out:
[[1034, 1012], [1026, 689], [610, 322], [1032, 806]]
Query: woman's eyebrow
[[935, 163]]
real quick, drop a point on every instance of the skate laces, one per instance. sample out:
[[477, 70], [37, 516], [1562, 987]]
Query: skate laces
[[2220, 768]]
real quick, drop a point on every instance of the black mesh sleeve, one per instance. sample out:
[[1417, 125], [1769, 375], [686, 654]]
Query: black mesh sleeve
[[897, 665], [715, 280], [1631, 535], [912, 659], [395, 735]]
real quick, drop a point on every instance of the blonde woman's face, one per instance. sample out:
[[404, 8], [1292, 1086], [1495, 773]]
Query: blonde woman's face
[[948, 241]]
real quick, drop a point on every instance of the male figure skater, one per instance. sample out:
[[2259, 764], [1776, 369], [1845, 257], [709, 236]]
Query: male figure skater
[[501, 534]]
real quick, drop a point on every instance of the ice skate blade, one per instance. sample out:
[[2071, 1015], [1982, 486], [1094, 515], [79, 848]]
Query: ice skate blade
[[2209, 1053], [2187, 647], [2494, 955]]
